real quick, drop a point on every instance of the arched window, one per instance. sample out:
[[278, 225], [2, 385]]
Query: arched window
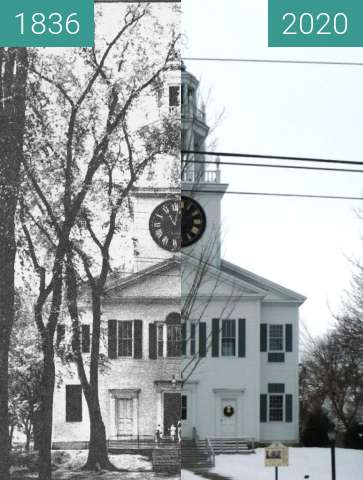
[[173, 318]]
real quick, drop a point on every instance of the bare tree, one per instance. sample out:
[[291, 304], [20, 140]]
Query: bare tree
[[333, 376]]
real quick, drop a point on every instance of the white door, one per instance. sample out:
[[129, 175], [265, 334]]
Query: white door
[[125, 416], [228, 418]]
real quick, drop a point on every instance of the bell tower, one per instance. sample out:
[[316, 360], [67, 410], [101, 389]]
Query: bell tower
[[201, 179]]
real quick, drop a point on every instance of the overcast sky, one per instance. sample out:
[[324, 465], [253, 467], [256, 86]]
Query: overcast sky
[[292, 110]]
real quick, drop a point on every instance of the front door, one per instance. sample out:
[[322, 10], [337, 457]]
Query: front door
[[172, 411], [124, 417], [229, 418]]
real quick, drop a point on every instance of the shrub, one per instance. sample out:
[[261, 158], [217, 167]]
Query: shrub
[[353, 438], [315, 433]]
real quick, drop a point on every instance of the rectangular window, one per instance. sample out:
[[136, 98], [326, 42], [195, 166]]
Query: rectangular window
[[160, 340], [228, 338], [173, 340], [184, 407], [73, 403], [192, 339], [276, 338], [174, 96], [125, 339], [276, 408]]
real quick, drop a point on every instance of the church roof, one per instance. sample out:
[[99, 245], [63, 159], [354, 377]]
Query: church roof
[[260, 282]]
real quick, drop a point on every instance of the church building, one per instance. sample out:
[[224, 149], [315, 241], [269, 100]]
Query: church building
[[240, 331], [187, 335]]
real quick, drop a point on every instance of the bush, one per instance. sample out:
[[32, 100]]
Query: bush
[[315, 433], [353, 438]]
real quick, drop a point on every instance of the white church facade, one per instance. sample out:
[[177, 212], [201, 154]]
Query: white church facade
[[189, 336]]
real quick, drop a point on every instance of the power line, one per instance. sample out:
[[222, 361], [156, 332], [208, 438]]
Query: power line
[[267, 165], [271, 157], [277, 61], [272, 194]]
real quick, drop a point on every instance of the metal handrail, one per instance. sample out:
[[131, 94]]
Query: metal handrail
[[210, 450]]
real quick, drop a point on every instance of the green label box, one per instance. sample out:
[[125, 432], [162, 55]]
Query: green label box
[[47, 23], [315, 23]]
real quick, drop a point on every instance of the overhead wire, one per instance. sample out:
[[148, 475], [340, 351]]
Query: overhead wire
[[277, 61], [271, 157], [268, 165], [275, 194]]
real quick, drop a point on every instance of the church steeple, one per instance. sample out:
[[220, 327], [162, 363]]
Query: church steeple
[[201, 178]]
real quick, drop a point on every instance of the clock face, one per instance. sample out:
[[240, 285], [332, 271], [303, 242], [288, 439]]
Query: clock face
[[193, 221], [164, 225]]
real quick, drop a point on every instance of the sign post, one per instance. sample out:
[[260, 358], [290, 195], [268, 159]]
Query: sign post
[[277, 455]]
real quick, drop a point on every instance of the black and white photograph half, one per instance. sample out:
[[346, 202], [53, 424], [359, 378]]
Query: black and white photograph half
[[90, 307]]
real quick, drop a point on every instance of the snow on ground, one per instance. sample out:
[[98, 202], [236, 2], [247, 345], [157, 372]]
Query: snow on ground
[[303, 461]]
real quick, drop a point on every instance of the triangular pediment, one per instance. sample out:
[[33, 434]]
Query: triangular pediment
[[159, 281]]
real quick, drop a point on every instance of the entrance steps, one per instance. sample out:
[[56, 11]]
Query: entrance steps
[[231, 445], [195, 455], [166, 458]]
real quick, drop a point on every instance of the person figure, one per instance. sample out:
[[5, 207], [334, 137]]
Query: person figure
[[173, 432], [179, 431], [158, 434]]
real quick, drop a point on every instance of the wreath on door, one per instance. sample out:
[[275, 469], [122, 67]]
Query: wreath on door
[[228, 411]]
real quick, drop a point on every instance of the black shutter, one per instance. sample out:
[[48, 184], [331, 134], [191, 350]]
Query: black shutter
[[215, 337], [73, 403], [112, 339], [242, 337], [263, 408], [184, 338], [86, 338], [137, 338], [288, 337], [192, 339], [263, 337], [202, 339], [152, 342], [288, 406]]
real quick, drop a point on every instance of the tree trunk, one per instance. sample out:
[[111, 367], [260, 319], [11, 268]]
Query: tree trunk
[[28, 438], [46, 413], [11, 436], [97, 452], [13, 78]]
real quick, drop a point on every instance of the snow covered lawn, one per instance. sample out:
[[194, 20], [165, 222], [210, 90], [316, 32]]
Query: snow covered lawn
[[303, 461], [67, 465]]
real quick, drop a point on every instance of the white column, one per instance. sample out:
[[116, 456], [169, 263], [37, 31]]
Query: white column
[[112, 416], [135, 415]]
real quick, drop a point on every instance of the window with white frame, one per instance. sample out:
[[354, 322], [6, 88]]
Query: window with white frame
[[173, 340], [276, 408], [228, 338], [125, 338], [276, 338]]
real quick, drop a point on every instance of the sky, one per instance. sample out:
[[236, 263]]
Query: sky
[[290, 110]]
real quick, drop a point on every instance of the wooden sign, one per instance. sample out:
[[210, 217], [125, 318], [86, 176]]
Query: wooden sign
[[277, 455]]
